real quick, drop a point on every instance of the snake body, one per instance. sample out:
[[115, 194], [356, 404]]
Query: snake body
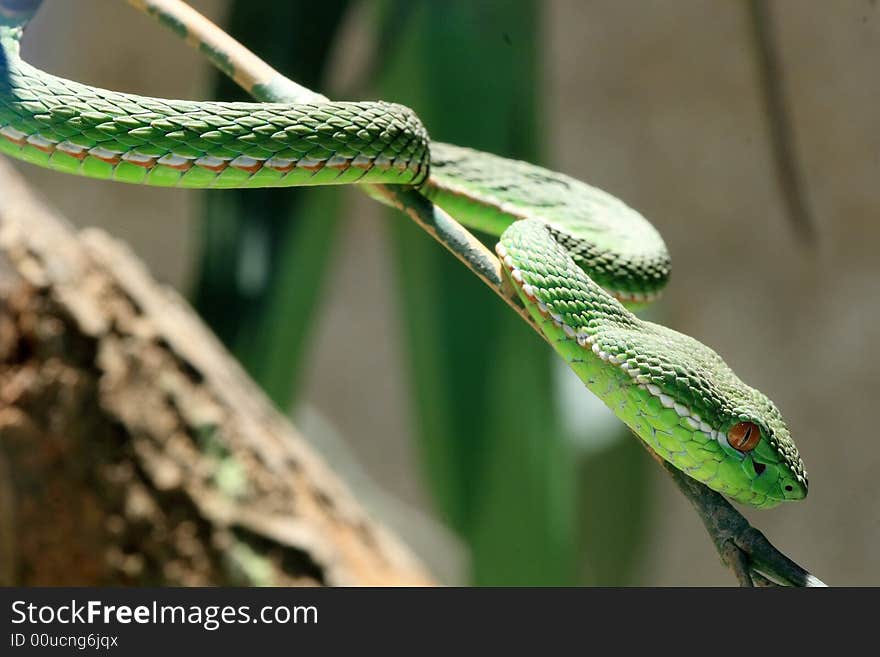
[[577, 256]]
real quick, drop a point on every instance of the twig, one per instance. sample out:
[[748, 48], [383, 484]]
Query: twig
[[743, 549], [789, 176], [748, 554], [247, 70]]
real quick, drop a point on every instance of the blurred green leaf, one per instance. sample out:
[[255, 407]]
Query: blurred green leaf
[[265, 253], [498, 463], [614, 491]]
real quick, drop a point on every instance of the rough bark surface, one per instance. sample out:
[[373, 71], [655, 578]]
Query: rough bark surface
[[134, 450]]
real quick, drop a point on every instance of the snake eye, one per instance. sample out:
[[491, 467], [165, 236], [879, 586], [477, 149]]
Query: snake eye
[[744, 436]]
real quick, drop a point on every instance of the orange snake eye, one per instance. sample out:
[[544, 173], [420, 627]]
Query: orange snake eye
[[744, 436]]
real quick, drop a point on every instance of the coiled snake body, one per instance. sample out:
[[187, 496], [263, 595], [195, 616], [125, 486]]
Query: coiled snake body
[[576, 255]]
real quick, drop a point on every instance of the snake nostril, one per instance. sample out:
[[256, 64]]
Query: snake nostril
[[759, 467]]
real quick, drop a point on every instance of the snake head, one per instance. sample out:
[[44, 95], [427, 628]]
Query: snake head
[[758, 439], [694, 411], [708, 422], [674, 392]]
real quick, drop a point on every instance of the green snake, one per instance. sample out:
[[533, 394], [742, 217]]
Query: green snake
[[579, 258]]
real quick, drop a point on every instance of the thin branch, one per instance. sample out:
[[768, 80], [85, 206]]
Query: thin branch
[[736, 540], [247, 70], [745, 551], [782, 142]]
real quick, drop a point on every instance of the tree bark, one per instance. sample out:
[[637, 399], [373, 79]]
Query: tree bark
[[135, 451]]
